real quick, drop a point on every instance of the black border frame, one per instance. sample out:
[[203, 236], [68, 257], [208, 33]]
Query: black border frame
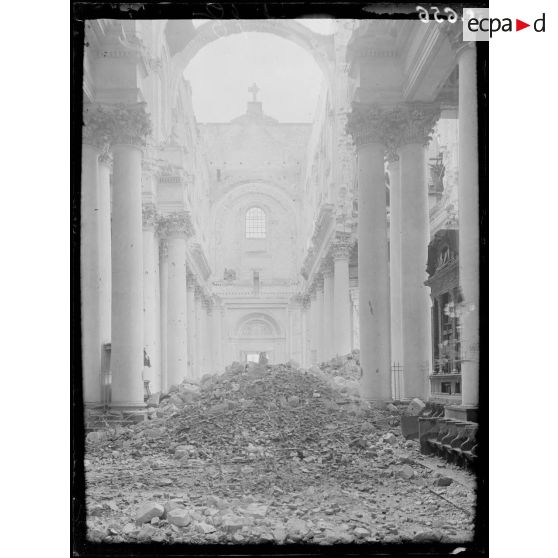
[[154, 9]]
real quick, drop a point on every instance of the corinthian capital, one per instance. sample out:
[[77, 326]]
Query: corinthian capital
[[118, 123], [392, 127], [97, 126], [175, 224], [131, 124], [419, 121], [341, 250], [149, 215]]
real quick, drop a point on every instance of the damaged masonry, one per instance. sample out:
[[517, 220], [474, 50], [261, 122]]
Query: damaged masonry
[[279, 281], [276, 454]]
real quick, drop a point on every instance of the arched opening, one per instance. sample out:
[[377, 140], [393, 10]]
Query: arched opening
[[255, 223]]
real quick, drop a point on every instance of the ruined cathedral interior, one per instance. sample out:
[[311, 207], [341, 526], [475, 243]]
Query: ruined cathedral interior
[[340, 249]]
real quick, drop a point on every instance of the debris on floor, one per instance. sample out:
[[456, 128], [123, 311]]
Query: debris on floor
[[269, 454]]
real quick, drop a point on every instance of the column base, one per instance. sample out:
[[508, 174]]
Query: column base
[[130, 412], [378, 403], [462, 412]]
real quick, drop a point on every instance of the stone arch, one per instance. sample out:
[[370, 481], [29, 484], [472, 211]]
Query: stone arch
[[320, 47], [274, 329], [229, 211], [256, 187]]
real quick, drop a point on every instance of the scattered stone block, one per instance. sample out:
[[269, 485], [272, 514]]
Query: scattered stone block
[[204, 528], [405, 472], [415, 407], [146, 532], [443, 481], [148, 511], [232, 524], [426, 536], [256, 510], [390, 438], [361, 532], [179, 517]]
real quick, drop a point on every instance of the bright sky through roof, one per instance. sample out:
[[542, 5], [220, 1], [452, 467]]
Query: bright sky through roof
[[323, 26], [220, 74]]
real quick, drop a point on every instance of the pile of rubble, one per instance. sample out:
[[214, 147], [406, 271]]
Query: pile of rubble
[[347, 366], [259, 454], [254, 413]]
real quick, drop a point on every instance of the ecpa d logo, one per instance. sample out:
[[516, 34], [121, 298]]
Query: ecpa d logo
[[478, 26]]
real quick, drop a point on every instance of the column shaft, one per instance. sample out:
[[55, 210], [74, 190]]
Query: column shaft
[[90, 276], [304, 331], [469, 224], [327, 323], [127, 278], [200, 337], [217, 339], [191, 308], [342, 306], [395, 270], [177, 330], [415, 299], [151, 333], [163, 315], [373, 274], [319, 323], [104, 249], [313, 329]]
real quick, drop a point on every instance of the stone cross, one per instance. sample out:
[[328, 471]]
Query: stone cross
[[254, 90]]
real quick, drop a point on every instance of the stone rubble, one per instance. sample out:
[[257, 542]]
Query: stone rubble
[[255, 456]]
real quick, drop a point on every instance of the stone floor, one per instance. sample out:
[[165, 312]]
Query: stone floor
[[232, 467]]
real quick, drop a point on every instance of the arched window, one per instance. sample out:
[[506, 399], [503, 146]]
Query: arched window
[[255, 223]]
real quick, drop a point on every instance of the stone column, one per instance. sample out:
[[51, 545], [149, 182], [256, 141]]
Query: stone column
[[130, 128], [313, 327], [355, 317], [328, 319], [306, 360], [468, 192], [104, 213], [415, 299], [209, 334], [90, 270], [342, 304], [201, 333], [163, 316], [178, 228], [192, 330], [319, 318], [151, 329], [216, 335], [395, 267], [288, 332], [366, 124]]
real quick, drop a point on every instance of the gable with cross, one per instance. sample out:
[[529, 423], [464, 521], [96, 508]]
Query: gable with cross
[[254, 90]]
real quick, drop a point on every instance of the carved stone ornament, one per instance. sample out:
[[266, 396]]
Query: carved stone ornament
[[392, 157], [164, 248], [191, 282], [118, 123], [97, 126], [318, 282], [175, 224], [341, 251], [326, 267], [392, 127], [149, 215]]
